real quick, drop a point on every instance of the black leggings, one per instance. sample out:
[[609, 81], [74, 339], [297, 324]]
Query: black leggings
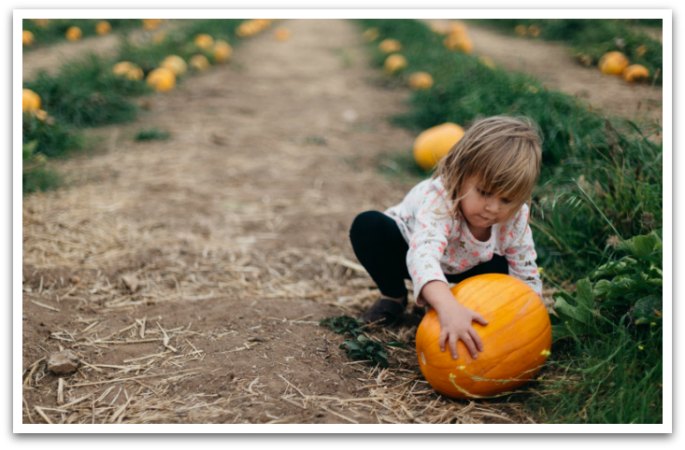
[[382, 250]]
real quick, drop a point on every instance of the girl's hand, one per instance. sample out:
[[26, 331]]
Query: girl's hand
[[455, 319], [455, 324]]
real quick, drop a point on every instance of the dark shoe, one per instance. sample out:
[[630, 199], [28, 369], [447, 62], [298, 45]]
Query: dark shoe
[[385, 311]]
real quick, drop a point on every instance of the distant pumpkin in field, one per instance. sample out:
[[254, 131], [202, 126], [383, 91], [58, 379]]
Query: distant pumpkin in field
[[204, 41], [199, 62], [371, 34], [635, 72], [128, 70], [30, 101], [533, 31], [161, 79], [390, 46], [73, 34], [176, 64], [459, 42], [457, 28], [222, 51], [27, 38], [151, 24], [394, 63], [103, 27], [613, 63], [420, 80]]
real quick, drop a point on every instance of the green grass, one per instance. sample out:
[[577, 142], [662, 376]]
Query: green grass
[[589, 39], [599, 194]]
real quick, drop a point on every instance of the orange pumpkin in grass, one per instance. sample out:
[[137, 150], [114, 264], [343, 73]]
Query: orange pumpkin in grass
[[420, 80], [27, 37], [432, 144], [516, 340], [613, 63], [103, 27], [30, 101], [222, 51], [390, 46], [635, 72], [161, 79], [73, 34], [395, 63]]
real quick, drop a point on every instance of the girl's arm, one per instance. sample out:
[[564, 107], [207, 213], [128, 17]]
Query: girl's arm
[[521, 254], [455, 319]]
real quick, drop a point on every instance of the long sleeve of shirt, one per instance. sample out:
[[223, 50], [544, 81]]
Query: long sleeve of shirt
[[429, 240]]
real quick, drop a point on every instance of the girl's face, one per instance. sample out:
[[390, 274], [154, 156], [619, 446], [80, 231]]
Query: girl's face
[[483, 209]]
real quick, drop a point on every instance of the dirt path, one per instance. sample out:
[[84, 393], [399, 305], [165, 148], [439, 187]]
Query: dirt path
[[190, 275]]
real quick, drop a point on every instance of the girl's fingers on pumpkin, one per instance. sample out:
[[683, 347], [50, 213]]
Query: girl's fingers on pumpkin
[[470, 345], [480, 319], [442, 339], [453, 346], [476, 339]]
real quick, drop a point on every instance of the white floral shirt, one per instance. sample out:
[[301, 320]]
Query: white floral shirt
[[440, 244]]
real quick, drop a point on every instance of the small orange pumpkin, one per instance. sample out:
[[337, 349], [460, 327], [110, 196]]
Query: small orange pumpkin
[[30, 101], [27, 37], [613, 63], [432, 144], [222, 51], [103, 27], [176, 64], [420, 80], [394, 63], [516, 340], [635, 72], [204, 41], [151, 24], [199, 62], [161, 79], [390, 46], [458, 42], [73, 34]]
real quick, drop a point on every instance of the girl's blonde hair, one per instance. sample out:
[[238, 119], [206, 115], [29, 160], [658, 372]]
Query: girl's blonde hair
[[503, 152]]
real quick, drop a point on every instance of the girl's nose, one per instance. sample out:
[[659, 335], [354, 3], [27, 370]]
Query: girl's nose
[[492, 205]]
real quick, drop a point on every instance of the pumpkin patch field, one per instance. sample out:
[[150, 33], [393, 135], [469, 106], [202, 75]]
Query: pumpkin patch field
[[188, 191]]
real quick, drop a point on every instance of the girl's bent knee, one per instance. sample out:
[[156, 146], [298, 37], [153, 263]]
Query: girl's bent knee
[[365, 222]]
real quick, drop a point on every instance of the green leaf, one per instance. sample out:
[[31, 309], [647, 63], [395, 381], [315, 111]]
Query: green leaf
[[584, 294], [642, 246], [568, 311], [342, 325]]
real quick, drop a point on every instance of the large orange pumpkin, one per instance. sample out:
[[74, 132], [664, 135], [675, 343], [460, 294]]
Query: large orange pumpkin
[[516, 340]]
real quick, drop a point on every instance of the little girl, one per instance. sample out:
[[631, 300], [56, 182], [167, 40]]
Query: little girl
[[470, 218]]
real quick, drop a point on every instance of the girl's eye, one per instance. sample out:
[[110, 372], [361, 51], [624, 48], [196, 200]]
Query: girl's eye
[[506, 201], [483, 193]]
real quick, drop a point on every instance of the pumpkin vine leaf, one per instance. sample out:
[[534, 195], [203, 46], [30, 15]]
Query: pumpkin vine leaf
[[359, 346], [364, 348]]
